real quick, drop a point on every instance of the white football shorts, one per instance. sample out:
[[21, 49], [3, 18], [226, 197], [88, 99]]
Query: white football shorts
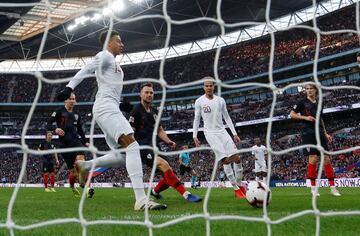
[[222, 144], [112, 122]]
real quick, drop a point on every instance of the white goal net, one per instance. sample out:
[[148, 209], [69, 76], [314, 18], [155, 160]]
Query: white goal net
[[268, 26]]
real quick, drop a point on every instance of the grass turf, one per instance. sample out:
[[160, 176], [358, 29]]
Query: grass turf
[[34, 206]]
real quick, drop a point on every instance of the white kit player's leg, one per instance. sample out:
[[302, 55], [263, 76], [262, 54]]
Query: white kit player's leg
[[135, 171], [230, 175], [113, 123], [238, 169], [109, 160]]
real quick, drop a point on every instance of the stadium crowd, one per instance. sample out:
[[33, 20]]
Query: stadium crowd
[[289, 166], [250, 109]]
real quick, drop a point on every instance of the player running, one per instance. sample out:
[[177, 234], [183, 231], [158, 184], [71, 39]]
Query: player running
[[305, 111], [71, 134], [184, 160], [259, 151], [117, 130], [48, 162], [213, 109]]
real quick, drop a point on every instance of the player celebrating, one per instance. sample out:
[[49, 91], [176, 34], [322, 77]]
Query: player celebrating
[[117, 130], [48, 163], [213, 109], [184, 160], [71, 134], [142, 119], [307, 108], [259, 151]]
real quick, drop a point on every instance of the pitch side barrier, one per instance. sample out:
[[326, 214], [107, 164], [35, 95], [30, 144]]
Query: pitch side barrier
[[341, 183]]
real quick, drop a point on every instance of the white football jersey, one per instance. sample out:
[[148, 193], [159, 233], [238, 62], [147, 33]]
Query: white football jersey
[[259, 153], [212, 112], [108, 76]]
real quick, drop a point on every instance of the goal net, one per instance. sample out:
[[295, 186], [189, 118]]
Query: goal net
[[308, 53]]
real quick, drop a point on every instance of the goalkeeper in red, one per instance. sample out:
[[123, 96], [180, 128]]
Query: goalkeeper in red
[[117, 130], [305, 111]]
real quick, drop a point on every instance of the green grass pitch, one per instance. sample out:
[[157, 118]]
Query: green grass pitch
[[33, 206]]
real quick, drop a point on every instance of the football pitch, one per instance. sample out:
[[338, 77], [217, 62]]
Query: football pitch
[[34, 206]]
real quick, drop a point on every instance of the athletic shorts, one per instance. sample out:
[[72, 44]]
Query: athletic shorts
[[112, 122], [222, 144], [311, 139], [184, 169], [48, 167], [147, 157], [260, 167], [70, 157]]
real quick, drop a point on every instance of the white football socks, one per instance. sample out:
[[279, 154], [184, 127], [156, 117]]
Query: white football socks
[[238, 169], [108, 160], [230, 175], [134, 169]]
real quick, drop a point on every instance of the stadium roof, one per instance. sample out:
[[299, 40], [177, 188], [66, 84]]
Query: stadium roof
[[75, 25]]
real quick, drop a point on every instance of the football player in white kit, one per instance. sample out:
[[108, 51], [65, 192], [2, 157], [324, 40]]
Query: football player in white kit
[[259, 151], [213, 109], [117, 130]]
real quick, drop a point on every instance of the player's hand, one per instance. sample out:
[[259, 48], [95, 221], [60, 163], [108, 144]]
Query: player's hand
[[64, 94], [329, 137], [59, 132], [126, 106], [309, 118], [171, 144], [197, 142], [237, 139]]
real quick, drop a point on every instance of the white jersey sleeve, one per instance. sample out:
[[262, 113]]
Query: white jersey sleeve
[[196, 118], [227, 117], [90, 68]]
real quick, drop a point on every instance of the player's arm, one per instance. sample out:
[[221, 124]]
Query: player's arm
[[81, 132], [134, 119], [253, 155], [53, 118], [229, 122], [87, 71], [56, 156], [180, 159], [164, 137], [294, 114], [328, 136], [196, 123]]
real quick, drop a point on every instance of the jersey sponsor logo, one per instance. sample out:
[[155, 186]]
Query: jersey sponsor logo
[[149, 156], [206, 109], [76, 116], [295, 107], [53, 114]]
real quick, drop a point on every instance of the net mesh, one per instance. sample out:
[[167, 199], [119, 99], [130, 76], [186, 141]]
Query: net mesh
[[11, 226]]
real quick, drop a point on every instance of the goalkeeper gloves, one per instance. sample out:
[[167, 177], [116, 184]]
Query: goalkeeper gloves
[[126, 106], [64, 94]]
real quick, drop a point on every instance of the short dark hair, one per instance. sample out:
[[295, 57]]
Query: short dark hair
[[147, 84], [103, 34]]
